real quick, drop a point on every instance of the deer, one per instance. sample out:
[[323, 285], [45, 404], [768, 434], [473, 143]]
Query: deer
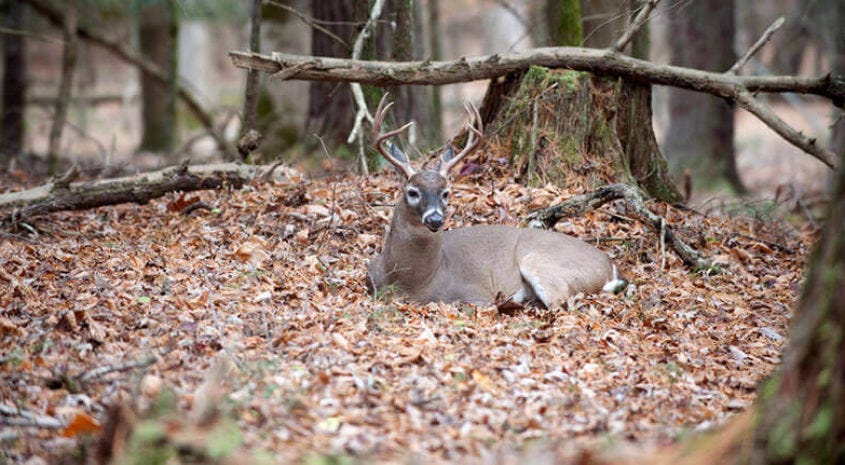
[[475, 264]]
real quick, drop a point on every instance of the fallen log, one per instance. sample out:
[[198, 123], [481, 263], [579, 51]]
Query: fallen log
[[61, 194]]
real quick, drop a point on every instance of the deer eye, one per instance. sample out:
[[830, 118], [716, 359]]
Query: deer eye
[[444, 196], [413, 194]]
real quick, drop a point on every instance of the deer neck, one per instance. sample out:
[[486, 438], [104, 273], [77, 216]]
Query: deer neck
[[411, 251]]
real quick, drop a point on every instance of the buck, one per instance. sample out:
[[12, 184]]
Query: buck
[[478, 263]]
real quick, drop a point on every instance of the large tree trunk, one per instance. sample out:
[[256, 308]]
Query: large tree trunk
[[411, 101], [701, 128], [802, 408], [13, 101], [575, 129], [158, 33], [832, 23]]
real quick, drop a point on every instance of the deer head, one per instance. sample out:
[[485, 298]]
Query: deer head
[[425, 193]]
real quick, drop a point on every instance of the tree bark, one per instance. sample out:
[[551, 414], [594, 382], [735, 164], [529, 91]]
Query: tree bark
[[833, 27], [330, 109], [802, 408], [436, 123], [13, 104], [253, 77], [158, 32], [615, 137], [410, 100], [700, 133]]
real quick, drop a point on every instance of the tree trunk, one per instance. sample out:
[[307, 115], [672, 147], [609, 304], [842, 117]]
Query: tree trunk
[[540, 116], [802, 408], [63, 97], [158, 32], [13, 104], [833, 27], [411, 101], [330, 111], [253, 77], [436, 52], [701, 129]]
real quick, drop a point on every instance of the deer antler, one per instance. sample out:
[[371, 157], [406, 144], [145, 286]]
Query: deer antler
[[476, 131], [379, 137]]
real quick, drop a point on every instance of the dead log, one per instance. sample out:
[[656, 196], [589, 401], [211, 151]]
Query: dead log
[[141, 188]]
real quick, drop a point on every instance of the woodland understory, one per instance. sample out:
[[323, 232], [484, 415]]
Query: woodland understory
[[242, 314]]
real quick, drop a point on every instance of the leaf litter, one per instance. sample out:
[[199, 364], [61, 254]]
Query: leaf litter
[[271, 279]]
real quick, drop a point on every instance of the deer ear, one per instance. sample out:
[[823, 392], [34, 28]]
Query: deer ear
[[400, 156], [445, 157]]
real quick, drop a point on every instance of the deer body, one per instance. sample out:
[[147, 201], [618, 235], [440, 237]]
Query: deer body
[[474, 264]]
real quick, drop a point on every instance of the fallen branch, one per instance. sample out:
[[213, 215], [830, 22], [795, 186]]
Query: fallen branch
[[104, 370], [146, 66], [597, 61], [141, 188], [546, 218], [13, 416]]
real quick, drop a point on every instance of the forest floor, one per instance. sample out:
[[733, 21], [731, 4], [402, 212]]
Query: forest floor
[[265, 337]]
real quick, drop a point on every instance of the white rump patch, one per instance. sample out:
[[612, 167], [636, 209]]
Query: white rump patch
[[534, 282]]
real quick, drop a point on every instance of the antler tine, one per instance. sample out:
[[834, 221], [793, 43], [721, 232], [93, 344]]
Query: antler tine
[[379, 137], [475, 130]]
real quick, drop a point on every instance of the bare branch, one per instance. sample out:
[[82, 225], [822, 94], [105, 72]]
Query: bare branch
[[309, 21], [104, 370], [358, 93], [757, 45], [793, 136], [636, 24]]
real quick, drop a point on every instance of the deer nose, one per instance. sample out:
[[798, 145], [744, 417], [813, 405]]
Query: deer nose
[[434, 221]]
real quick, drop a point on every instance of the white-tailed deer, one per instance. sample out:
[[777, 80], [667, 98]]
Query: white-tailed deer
[[472, 264]]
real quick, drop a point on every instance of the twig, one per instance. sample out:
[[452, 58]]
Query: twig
[[267, 175], [104, 370], [635, 25], [757, 45], [309, 21], [662, 244]]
